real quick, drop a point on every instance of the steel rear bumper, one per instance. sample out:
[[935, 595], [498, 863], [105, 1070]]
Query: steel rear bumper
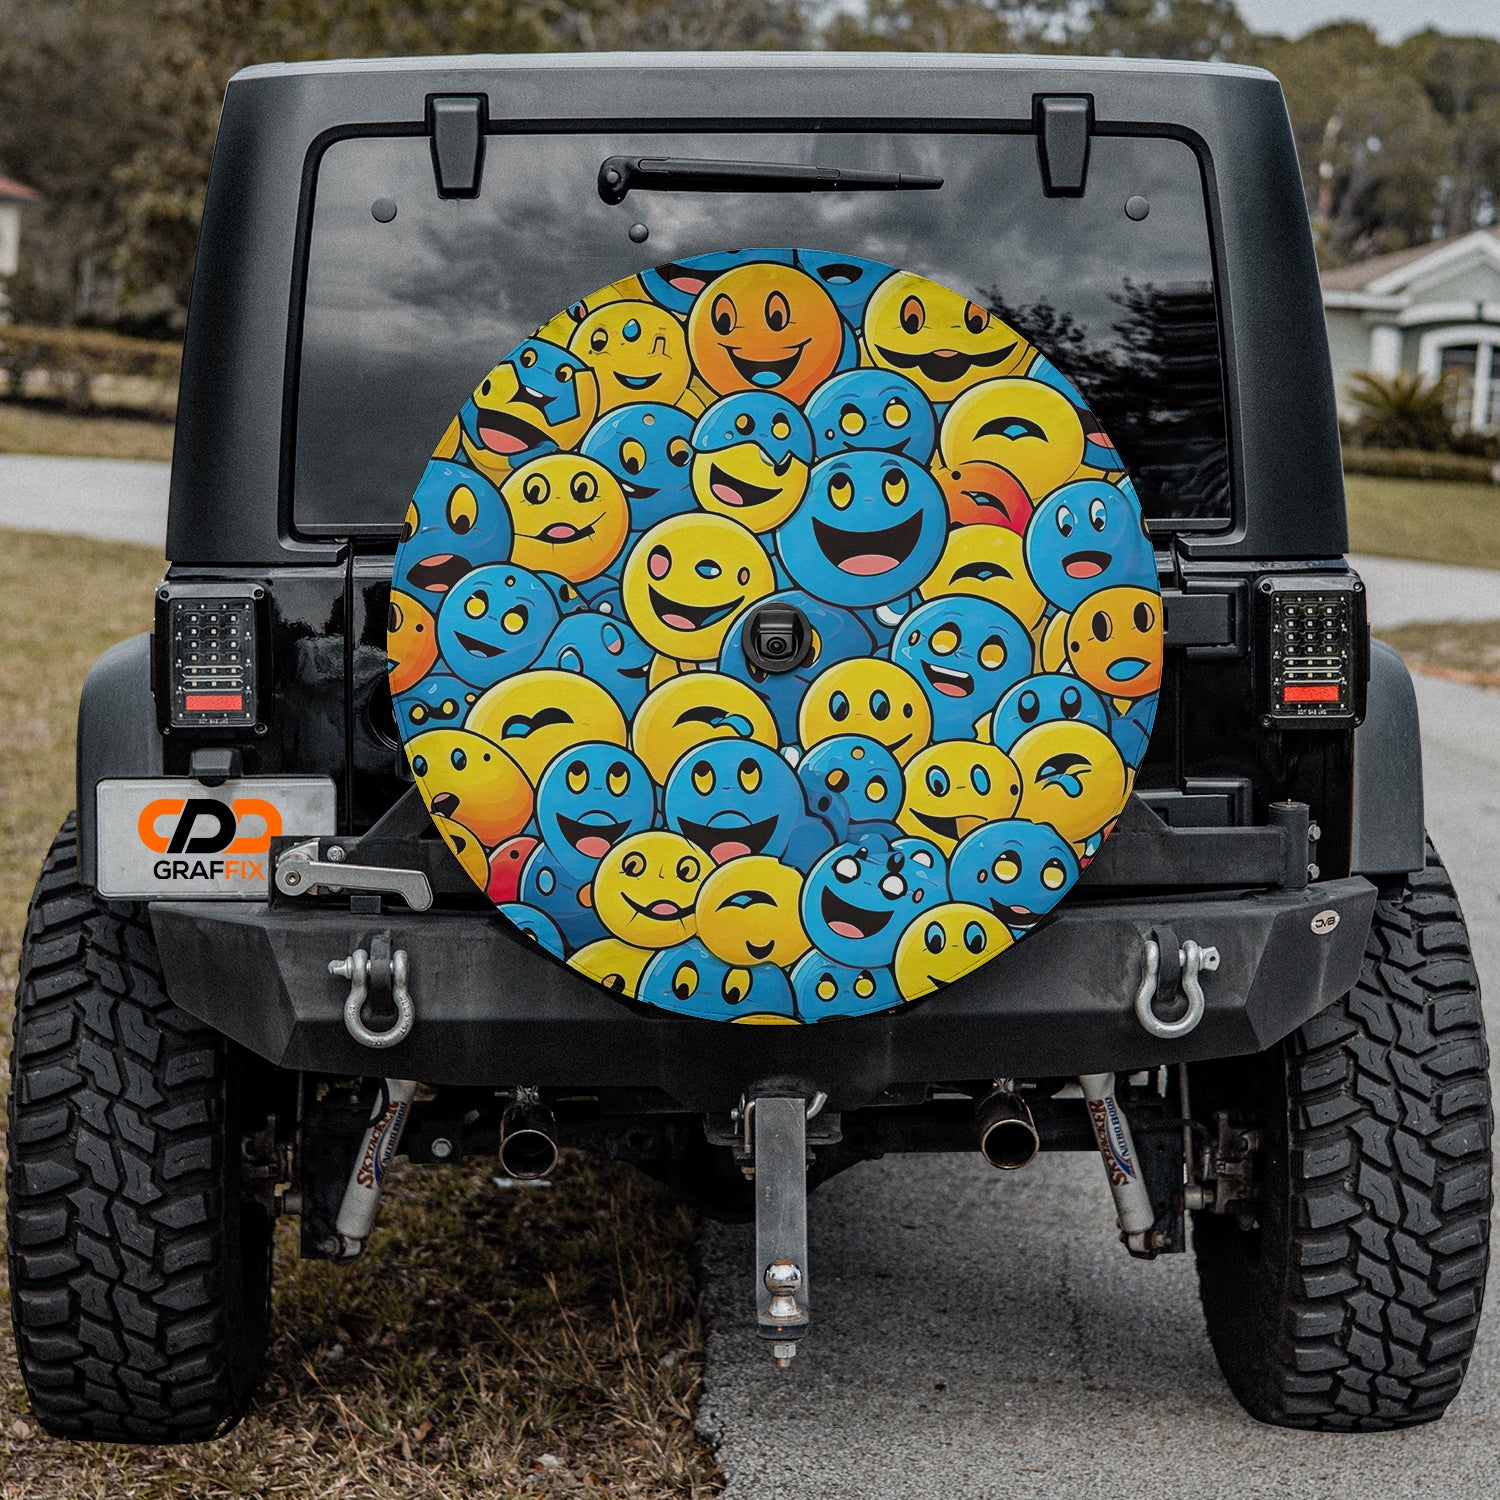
[[491, 1010]]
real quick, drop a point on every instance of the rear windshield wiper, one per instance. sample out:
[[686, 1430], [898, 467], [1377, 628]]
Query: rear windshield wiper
[[621, 175]]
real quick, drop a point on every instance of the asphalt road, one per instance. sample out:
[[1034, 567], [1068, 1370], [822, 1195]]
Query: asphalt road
[[121, 500], [980, 1334]]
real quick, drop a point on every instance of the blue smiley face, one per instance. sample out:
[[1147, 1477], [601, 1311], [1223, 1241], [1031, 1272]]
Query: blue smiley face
[[455, 520], [858, 777], [1131, 729], [1016, 869], [966, 652], [1045, 699], [646, 447], [870, 529], [876, 409], [1085, 537], [438, 701], [567, 899], [495, 622], [589, 798], [690, 980], [1098, 451], [858, 899], [824, 988], [605, 649], [848, 279], [676, 287], [535, 926], [734, 797], [837, 636]]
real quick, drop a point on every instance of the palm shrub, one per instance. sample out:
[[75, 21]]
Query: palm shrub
[[1402, 411]]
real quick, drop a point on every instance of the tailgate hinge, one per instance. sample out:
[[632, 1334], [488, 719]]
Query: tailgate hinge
[[1064, 123], [457, 123]]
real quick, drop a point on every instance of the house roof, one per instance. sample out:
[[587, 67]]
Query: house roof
[[12, 191], [1363, 275]]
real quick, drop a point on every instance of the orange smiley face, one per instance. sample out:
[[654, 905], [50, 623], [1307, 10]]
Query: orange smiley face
[[1114, 642], [765, 328], [411, 641]]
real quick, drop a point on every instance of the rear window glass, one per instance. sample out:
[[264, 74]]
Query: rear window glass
[[402, 318]]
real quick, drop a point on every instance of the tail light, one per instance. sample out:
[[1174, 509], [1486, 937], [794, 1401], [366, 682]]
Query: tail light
[[1313, 661], [206, 654]]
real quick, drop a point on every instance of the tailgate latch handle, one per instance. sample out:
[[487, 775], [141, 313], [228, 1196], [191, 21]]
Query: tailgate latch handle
[[299, 872]]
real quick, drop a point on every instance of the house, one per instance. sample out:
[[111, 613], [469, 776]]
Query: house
[[1434, 310], [14, 196]]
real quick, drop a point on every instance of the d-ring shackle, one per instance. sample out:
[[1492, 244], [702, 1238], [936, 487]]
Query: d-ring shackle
[[356, 969], [1194, 960]]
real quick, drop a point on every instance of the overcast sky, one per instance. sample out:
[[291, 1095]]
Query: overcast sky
[[1393, 19]]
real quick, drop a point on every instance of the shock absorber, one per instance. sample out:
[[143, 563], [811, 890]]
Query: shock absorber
[[1122, 1167]]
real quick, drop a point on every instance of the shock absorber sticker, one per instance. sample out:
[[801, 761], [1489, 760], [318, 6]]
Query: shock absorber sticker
[[585, 668]]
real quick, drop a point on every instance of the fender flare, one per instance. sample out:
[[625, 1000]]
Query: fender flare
[[1388, 826], [117, 734]]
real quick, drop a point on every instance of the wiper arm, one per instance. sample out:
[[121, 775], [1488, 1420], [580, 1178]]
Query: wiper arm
[[621, 175]]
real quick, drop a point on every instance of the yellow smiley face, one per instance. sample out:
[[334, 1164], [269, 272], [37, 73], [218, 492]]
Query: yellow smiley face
[[1072, 777], [614, 964], [689, 710], [747, 912], [1114, 642], [990, 562], [945, 944], [411, 641], [647, 886], [870, 697], [688, 578], [540, 395], [534, 716], [570, 516], [942, 341], [956, 786], [744, 483], [1024, 426], [637, 350], [469, 780]]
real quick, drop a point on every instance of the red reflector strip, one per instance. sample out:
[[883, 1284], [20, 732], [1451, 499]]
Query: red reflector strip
[[1310, 692], [214, 703]]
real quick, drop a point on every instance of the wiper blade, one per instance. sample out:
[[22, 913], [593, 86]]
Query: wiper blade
[[622, 175]]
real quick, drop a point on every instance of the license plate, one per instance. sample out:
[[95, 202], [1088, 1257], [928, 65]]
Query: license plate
[[176, 837]]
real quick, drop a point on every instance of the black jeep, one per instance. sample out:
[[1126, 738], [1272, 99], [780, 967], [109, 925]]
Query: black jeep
[[777, 636]]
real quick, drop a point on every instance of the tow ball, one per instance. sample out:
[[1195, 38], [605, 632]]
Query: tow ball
[[775, 1136]]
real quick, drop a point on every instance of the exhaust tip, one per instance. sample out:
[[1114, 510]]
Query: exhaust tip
[[528, 1149], [1008, 1136]]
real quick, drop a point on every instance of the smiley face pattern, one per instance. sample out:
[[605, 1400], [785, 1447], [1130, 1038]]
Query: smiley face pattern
[[577, 572]]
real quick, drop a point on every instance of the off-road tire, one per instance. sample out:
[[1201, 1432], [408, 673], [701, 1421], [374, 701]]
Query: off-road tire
[[1354, 1303], [139, 1277]]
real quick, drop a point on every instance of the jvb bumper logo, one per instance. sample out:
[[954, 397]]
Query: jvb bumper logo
[[206, 840]]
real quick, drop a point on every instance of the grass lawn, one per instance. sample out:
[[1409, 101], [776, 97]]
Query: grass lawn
[[506, 1343], [1430, 519], [29, 429], [1466, 650]]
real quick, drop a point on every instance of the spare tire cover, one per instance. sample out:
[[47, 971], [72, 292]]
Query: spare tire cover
[[580, 577]]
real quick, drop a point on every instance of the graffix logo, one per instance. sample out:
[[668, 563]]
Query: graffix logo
[[202, 826]]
